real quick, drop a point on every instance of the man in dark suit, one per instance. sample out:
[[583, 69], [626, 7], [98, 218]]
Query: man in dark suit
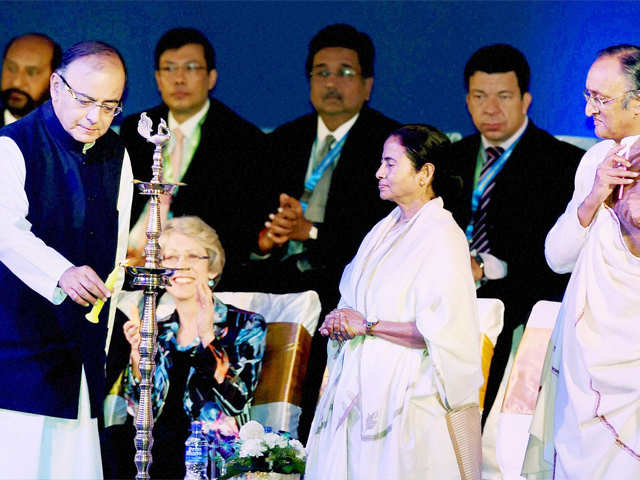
[[27, 63], [212, 149], [521, 177], [318, 226]]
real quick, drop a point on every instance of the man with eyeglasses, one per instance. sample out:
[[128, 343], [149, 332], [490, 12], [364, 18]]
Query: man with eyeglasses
[[213, 150], [27, 63], [516, 177], [317, 228], [591, 388], [65, 198]]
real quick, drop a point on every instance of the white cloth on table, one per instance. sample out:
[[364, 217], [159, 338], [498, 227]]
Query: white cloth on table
[[585, 425], [37, 446], [380, 416]]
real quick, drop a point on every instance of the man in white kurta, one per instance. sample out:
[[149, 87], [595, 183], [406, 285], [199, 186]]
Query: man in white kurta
[[586, 422], [65, 198]]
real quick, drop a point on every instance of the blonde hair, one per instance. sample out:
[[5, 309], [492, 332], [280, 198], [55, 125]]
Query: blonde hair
[[197, 229]]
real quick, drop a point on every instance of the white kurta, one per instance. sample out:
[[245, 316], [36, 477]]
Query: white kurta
[[586, 424], [380, 416]]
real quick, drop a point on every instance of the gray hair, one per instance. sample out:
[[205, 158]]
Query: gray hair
[[629, 57], [195, 228]]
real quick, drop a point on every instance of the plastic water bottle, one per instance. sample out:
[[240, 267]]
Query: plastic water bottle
[[196, 454]]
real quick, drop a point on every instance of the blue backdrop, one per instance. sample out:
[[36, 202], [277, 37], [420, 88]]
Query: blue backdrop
[[421, 49]]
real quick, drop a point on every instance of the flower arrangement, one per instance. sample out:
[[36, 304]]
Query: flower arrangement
[[260, 451]]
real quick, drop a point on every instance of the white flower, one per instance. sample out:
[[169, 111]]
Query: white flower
[[275, 440], [298, 447], [253, 447], [251, 430]]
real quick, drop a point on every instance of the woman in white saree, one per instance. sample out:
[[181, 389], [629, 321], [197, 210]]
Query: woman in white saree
[[405, 342]]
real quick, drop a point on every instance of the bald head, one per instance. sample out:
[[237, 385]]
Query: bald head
[[27, 65]]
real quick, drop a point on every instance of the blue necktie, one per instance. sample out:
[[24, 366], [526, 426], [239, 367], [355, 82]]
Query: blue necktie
[[480, 240]]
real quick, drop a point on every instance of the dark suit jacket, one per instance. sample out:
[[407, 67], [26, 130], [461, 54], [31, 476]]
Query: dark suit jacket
[[353, 206], [223, 180], [531, 192]]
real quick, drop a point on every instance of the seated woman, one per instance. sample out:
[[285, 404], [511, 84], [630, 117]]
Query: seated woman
[[405, 343], [209, 354]]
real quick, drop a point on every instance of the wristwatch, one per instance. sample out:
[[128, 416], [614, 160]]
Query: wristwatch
[[369, 324], [476, 256], [313, 232]]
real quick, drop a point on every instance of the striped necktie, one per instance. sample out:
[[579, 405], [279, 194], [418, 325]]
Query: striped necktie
[[329, 140], [480, 240]]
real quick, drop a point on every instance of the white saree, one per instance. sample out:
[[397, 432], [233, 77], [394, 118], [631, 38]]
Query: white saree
[[586, 424], [381, 415]]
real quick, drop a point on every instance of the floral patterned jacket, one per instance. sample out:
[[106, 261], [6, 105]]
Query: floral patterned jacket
[[222, 377]]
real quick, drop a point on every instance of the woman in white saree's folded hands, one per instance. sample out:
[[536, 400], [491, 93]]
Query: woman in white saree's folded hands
[[405, 345]]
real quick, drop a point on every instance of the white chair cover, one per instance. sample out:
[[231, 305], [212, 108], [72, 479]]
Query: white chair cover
[[298, 308], [506, 431]]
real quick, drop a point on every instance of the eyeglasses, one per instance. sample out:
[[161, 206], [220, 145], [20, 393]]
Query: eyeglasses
[[598, 101], [343, 73], [480, 98], [190, 69], [84, 101], [189, 259]]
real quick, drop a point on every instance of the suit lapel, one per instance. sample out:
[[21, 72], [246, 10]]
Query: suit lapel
[[513, 177]]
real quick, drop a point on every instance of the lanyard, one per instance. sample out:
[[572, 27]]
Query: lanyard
[[482, 184], [318, 172]]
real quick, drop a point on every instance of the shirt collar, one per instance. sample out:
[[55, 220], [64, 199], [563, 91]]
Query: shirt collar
[[627, 142], [189, 125], [8, 118], [339, 132], [510, 141]]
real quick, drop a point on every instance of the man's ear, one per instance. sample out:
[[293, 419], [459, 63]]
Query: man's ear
[[526, 102], [213, 78], [368, 85], [634, 104], [54, 87]]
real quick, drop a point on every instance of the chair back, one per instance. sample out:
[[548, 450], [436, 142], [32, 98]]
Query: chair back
[[491, 316], [291, 319], [521, 393]]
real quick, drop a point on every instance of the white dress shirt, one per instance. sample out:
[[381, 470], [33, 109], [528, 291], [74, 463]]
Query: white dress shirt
[[8, 118], [494, 267]]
